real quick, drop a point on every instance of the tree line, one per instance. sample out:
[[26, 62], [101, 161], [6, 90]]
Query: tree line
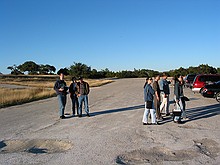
[[80, 69]]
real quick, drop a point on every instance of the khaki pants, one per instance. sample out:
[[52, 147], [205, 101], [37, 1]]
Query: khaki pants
[[165, 103]]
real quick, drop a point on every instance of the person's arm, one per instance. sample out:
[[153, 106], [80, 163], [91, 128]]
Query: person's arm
[[88, 88], [56, 87], [77, 92], [176, 92], [155, 87], [71, 90], [151, 90]]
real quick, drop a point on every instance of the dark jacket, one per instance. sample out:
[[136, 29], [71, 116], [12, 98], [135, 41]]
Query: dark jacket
[[148, 93], [178, 90], [60, 84], [86, 88], [164, 86], [73, 89]]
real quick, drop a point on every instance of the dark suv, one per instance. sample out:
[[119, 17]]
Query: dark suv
[[203, 79], [189, 80], [212, 91]]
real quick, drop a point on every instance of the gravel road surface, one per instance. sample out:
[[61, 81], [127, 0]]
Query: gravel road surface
[[33, 134]]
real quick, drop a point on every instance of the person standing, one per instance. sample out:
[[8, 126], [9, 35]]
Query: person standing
[[157, 97], [61, 91], [73, 96], [165, 92], [179, 98], [82, 94], [149, 107]]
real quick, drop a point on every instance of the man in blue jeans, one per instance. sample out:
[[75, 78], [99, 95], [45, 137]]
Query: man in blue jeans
[[61, 91], [82, 94]]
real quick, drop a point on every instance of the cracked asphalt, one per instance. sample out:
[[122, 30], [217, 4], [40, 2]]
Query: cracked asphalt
[[114, 133]]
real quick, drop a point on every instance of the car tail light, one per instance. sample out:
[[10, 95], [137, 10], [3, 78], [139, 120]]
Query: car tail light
[[204, 90], [209, 92]]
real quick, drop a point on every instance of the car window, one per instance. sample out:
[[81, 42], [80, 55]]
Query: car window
[[215, 78], [191, 77], [202, 78]]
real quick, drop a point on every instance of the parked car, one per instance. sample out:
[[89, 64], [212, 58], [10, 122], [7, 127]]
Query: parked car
[[212, 91], [203, 79], [189, 80]]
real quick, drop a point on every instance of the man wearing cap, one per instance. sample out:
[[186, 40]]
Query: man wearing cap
[[61, 91], [82, 94]]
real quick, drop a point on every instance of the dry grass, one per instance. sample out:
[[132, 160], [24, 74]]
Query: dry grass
[[40, 87], [10, 97], [47, 81]]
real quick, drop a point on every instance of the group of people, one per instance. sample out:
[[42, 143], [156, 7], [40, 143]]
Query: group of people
[[156, 97], [78, 93]]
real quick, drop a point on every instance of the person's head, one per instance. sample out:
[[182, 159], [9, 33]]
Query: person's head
[[178, 78], [61, 76], [80, 79], [157, 77], [61, 73], [149, 80], [164, 76], [74, 79]]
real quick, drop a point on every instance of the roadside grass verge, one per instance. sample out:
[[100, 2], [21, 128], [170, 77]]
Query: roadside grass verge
[[38, 88], [9, 97], [46, 81]]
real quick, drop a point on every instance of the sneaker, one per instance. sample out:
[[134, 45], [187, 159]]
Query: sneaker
[[146, 124], [62, 117], [79, 115], [88, 115]]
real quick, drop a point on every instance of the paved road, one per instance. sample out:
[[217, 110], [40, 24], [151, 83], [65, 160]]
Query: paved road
[[33, 134]]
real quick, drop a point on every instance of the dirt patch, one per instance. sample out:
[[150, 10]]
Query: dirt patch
[[36, 146], [207, 147], [160, 154]]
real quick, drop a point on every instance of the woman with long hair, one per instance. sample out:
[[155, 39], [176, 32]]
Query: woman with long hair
[[179, 97]]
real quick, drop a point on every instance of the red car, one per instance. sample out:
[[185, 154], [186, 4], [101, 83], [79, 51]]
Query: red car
[[203, 79]]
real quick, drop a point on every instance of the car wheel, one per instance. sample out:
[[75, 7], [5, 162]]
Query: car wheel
[[201, 90], [217, 97]]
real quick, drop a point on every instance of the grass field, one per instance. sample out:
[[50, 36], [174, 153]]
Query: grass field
[[39, 87]]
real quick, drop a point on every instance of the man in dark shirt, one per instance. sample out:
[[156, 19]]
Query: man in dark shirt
[[82, 94], [61, 90], [73, 96], [157, 97]]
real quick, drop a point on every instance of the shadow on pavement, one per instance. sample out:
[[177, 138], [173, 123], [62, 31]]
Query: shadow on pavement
[[117, 110], [203, 112], [198, 113]]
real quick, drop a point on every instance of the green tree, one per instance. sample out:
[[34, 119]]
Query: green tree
[[79, 69], [46, 69], [30, 67], [218, 70], [14, 70]]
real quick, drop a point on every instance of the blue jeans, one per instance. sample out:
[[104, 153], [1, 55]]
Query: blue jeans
[[62, 103], [75, 104], [81, 99]]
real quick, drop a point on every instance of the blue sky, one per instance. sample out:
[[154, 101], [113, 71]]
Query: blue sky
[[114, 34]]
